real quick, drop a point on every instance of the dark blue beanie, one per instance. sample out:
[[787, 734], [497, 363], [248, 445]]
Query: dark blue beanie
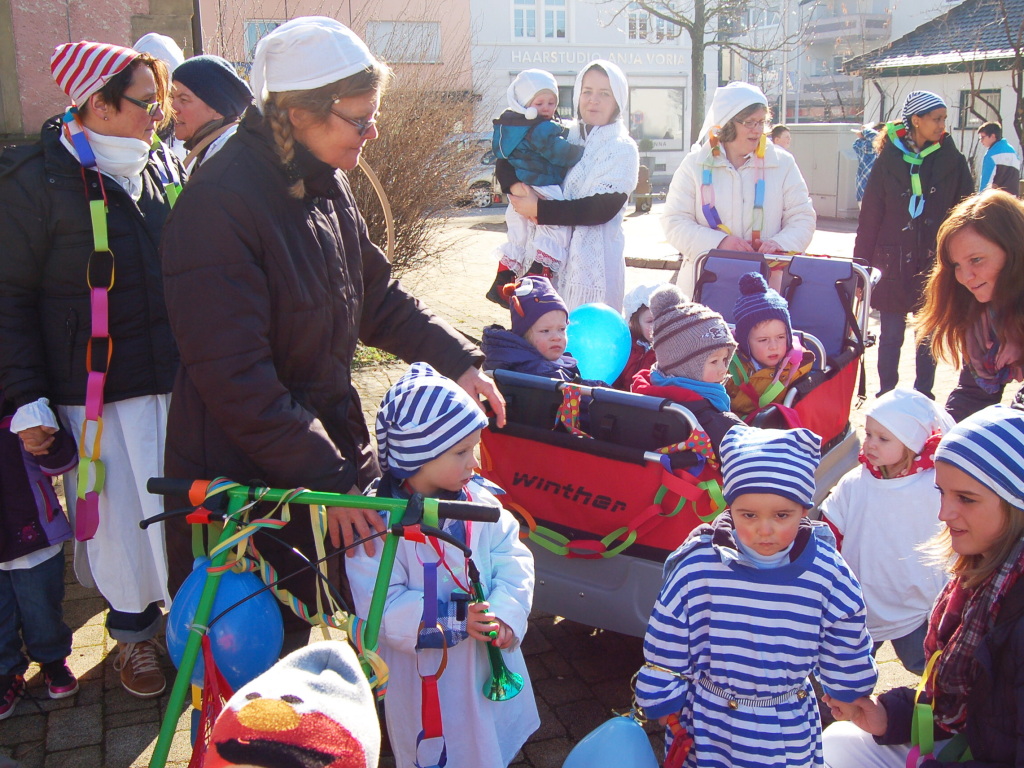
[[756, 304], [215, 81]]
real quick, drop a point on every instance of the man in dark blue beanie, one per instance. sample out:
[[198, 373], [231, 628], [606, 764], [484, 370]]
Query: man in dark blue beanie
[[208, 98]]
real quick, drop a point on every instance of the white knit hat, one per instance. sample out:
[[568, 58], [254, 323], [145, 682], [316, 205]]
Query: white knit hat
[[306, 53], [526, 86], [160, 47], [421, 417], [910, 416], [729, 101], [640, 296], [777, 461], [617, 79]]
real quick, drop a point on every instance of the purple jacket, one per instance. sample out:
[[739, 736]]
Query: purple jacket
[[31, 517], [504, 350]]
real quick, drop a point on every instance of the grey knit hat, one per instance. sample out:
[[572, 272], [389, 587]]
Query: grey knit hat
[[685, 333]]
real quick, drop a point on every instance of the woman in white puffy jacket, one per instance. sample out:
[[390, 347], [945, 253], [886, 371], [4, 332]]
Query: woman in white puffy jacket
[[735, 190]]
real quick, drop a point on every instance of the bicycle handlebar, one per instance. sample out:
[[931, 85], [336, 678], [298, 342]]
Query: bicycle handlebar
[[453, 510]]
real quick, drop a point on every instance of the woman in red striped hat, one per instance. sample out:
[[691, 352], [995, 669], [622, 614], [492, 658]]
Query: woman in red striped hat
[[83, 327]]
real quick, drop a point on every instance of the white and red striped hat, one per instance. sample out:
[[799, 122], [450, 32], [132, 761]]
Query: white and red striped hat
[[82, 68]]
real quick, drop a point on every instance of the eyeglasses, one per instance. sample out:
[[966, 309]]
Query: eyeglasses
[[151, 107], [752, 124], [363, 126]]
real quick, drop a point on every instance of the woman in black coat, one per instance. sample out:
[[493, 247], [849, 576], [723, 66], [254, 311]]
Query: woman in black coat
[[974, 683], [899, 221], [271, 280]]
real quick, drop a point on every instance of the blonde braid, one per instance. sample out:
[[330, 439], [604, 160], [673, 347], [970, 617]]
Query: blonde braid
[[285, 141]]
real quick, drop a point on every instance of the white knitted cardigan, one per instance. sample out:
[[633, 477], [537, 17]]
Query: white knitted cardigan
[[595, 268]]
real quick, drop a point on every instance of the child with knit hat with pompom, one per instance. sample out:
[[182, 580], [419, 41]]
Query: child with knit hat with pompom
[[428, 430], [693, 348], [751, 605], [769, 357], [529, 136], [885, 509], [536, 343]]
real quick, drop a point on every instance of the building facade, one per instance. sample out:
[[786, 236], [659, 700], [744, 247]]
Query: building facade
[[561, 36], [30, 31]]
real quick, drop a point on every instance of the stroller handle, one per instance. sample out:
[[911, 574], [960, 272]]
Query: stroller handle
[[168, 486]]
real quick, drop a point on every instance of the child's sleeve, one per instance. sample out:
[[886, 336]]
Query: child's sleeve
[[554, 147], [846, 668], [662, 683], [63, 454], [403, 607], [511, 577]]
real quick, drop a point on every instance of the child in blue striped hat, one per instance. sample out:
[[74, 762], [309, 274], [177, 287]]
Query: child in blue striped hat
[[428, 429], [751, 606]]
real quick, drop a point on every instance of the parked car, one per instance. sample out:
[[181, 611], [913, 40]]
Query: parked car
[[482, 188]]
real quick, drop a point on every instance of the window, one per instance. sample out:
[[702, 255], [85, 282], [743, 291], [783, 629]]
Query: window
[[405, 42], [657, 114], [554, 19], [255, 31], [524, 22], [565, 102], [641, 25], [979, 106]]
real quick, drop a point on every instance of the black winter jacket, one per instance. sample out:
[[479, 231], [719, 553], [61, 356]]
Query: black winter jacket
[[268, 297], [45, 320], [887, 238], [995, 706]]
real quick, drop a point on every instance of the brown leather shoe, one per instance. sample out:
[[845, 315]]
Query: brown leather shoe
[[139, 665]]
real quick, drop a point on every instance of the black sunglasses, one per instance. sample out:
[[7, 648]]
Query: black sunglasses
[[151, 107]]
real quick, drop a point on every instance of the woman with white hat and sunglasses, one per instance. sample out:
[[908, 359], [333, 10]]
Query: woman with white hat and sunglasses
[[736, 190], [271, 280]]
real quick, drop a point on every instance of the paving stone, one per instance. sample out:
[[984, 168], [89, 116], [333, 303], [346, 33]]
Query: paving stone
[[550, 725], [74, 727], [550, 753], [555, 663], [30, 755], [86, 611], [89, 692], [25, 725], [582, 717], [130, 746], [535, 642], [537, 669], [134, 716], [560, 690], [83, 757]]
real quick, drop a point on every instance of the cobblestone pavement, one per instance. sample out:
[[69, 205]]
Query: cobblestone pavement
[[580, 674]]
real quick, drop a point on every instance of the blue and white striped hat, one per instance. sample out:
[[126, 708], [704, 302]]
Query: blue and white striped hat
[[421, 417], [989, 446], [920, 103], [778, 461]]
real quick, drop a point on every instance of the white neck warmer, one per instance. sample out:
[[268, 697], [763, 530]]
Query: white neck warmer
[[123, 159]]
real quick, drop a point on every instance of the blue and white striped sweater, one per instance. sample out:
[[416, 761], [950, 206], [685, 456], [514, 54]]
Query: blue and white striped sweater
[[757, 634]]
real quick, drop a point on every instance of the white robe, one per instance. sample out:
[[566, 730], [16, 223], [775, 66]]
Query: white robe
[[789, 217], [127, 564], [479, 733]]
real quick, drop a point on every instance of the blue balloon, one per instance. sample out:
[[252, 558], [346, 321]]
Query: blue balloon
[[599, 339], [618, 743], [246, 642]]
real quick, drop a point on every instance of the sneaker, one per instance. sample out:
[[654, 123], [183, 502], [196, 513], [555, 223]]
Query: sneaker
[[13, 688], [139, 666], [59, 680], [503, 277]]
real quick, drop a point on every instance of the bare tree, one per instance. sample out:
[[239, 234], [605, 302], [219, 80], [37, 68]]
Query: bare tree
[[1013, 28], [709, 24]]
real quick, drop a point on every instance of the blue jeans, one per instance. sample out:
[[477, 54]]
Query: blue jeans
[[909, 649], [134, 627], [32, 609], [890, 341]]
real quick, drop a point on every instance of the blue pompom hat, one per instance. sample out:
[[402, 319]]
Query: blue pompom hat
[[756, 304], [777, 461], [420, 418]]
